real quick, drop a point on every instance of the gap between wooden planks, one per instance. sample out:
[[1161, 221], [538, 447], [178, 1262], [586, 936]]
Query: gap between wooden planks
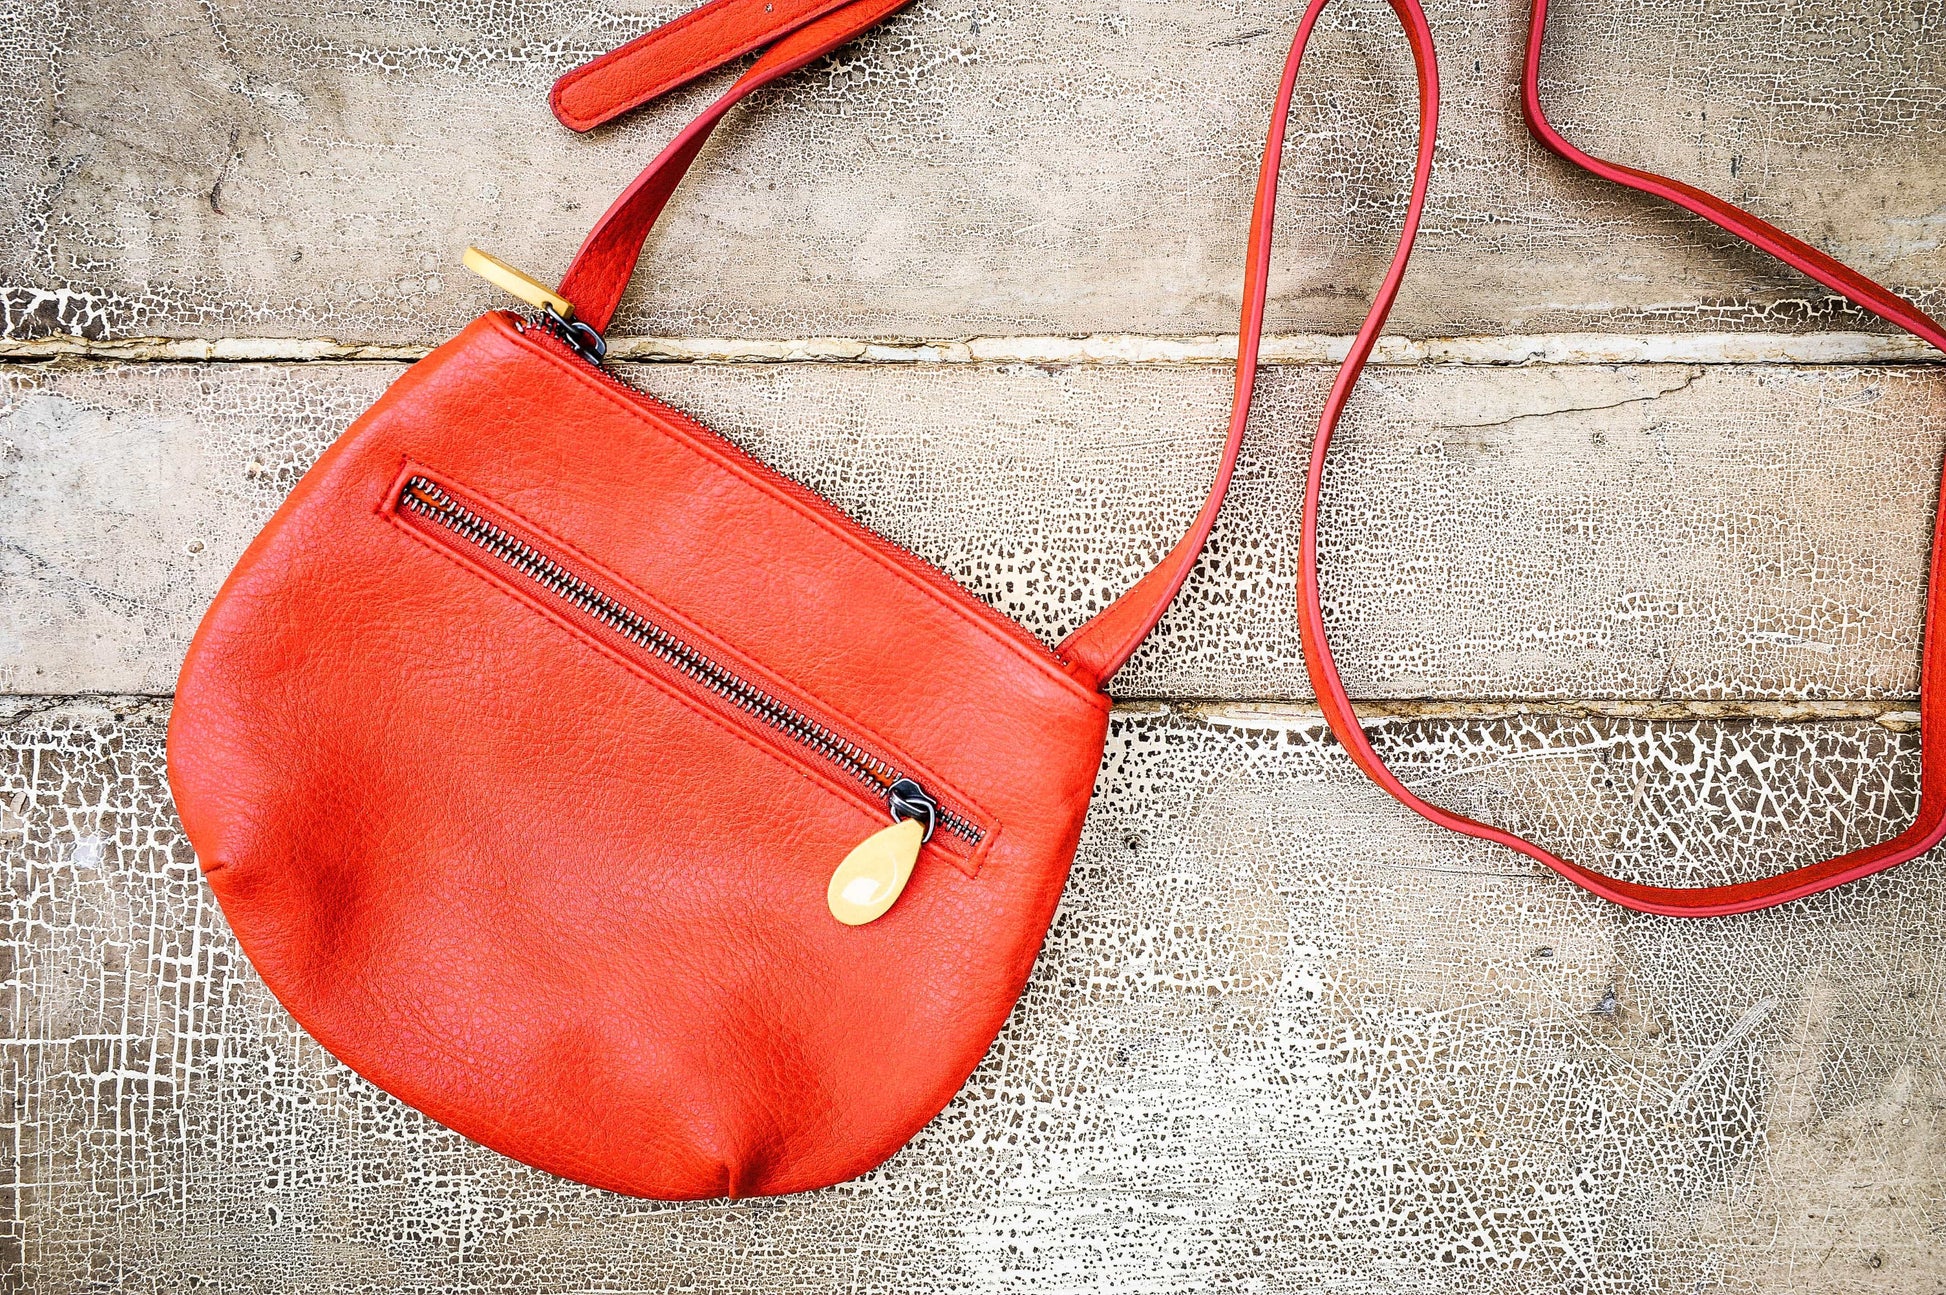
[[1097, 348]]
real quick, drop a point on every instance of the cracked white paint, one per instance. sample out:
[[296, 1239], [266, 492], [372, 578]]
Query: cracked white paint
[[1283, 1036], [1623, 578], [1745, 1025], [1113, 349], [1378, 713], [1645, 532], [288, 168]]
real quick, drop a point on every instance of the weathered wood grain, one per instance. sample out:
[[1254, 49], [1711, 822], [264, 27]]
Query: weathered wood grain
[[1637, 532], [1283, 1037], [291, 168]]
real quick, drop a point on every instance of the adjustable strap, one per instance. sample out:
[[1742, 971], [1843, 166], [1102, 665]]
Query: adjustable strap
[[708, 37], [1928, 826], [805, 30], [675, 54]]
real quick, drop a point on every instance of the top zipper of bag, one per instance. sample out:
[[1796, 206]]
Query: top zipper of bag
[[558, 327]]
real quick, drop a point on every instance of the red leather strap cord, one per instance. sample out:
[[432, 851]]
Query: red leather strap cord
[[602, 268], [809, 29], [1099, 648], [1928, 826], [606, 262], [675, 54]]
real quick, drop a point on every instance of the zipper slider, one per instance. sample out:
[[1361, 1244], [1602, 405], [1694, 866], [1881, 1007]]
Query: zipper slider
[[556, 310], [873, 875]]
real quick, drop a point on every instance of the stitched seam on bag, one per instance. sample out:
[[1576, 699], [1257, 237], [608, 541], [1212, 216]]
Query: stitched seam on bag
[[969, 865], [1045, 663]]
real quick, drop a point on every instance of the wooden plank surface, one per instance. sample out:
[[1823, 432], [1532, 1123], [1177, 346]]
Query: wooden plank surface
[[290, 168], [1283, 1037], [1646, 531]]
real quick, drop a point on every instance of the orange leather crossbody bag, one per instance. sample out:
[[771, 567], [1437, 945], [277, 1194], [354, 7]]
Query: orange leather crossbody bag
[[622, 804]]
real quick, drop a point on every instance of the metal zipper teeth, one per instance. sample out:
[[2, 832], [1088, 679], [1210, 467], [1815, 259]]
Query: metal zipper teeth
[[429, 501]]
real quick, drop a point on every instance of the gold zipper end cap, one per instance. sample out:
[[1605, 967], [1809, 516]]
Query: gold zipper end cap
[[874, 874], [516, 283]]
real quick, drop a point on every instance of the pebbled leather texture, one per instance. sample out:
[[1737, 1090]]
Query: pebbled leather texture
[[543, 888]]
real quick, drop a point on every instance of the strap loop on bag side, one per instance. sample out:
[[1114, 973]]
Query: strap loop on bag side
[[1099, 648], [1929, 824]]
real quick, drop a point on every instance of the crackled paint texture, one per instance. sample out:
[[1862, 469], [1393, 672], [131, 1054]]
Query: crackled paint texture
[[1648, 531], [1284, 1037], [290, 168]]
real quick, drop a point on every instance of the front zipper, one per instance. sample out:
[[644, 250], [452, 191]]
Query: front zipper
[[904, 797]]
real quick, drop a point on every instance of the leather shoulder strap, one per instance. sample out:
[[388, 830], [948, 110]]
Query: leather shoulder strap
[[1928, 825], [675, 54], [1099, 648], [668, 57], [805, 30], [719, 31]]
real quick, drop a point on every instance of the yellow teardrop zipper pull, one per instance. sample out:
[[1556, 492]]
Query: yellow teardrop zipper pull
[[516, 283], [875, 872]]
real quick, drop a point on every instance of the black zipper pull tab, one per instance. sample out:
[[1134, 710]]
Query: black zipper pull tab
[[873, 875], [907, 799]]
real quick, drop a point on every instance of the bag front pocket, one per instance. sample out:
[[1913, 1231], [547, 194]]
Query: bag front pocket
[[572, 590]]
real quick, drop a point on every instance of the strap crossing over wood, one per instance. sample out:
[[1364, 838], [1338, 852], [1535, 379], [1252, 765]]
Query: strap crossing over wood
[[1928, 825], [804, 30], [676, 53], [1102, 645], [602, 268]]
